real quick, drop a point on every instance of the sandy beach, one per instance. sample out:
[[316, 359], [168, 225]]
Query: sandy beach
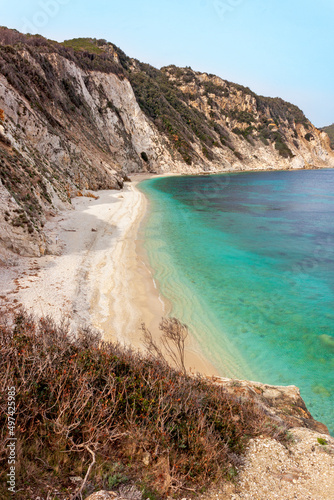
[[95, 273]]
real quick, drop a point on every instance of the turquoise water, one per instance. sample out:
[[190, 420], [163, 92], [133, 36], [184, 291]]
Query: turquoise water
[[247, 261]]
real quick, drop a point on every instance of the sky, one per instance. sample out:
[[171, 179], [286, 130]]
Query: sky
[[278, 48]]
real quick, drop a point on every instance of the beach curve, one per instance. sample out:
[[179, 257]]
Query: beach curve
[[96, 273]]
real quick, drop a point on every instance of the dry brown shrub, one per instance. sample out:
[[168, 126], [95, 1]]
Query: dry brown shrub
[[113, 416]]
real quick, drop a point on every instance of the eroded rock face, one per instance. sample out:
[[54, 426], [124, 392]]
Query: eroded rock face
[[283, 402], [257, 132], [17, 234]]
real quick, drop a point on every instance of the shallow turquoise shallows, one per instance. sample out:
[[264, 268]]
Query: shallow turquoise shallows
[[247, 261]]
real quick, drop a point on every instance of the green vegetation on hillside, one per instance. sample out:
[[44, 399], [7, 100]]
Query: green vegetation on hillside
[[89, 44], [160, 97], [198, 113], [164, 103], [173, 98], [134, 419], [330, 131], [86, 53], [281, 111]]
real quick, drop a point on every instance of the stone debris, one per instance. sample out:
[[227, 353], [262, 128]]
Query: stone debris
[[124, 493], [102, 495], [284, 403], [303, 471]]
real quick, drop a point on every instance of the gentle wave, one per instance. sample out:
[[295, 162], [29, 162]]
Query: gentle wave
[[248, 264]]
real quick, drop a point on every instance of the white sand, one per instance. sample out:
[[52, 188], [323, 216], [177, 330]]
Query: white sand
[[96, 276]]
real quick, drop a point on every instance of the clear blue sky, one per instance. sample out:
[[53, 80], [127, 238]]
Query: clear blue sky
[[276, 47]]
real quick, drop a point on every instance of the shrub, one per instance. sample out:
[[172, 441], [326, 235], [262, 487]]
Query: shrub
[[211, 88], [242, 116], [207, 153], [282, 148], [245, 133], [95, 409], [72, 94], [264, 140], [85, 44], [162, 101], [309, 136]]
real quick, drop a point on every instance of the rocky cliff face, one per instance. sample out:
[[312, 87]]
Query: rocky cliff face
[[82, 115], [284, 403], [252, 131]]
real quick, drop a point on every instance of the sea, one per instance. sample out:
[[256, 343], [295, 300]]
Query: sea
[[246, 260]]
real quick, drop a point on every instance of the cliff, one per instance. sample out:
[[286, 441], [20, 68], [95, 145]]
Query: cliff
[[82, 115], [329, 130]]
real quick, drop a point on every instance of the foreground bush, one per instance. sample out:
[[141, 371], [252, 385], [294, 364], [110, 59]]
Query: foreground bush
[[84, 406]]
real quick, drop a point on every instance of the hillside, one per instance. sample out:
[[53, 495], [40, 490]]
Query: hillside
[[76, 120], [132, 424], [330, 132], [83, 115]]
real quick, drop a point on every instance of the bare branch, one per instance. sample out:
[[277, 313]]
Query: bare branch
[[174, 334], [76, 495], [151, 345], [173, 338]]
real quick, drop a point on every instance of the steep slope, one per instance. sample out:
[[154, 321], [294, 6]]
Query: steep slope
[[213, 122], [330, 132], [83, 115], [68, 123]]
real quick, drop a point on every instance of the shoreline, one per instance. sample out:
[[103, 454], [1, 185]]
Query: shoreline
[[96, 274], [134, 297], [227, 361]]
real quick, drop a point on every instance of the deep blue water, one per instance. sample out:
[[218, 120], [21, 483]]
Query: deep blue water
[[247, 261]]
